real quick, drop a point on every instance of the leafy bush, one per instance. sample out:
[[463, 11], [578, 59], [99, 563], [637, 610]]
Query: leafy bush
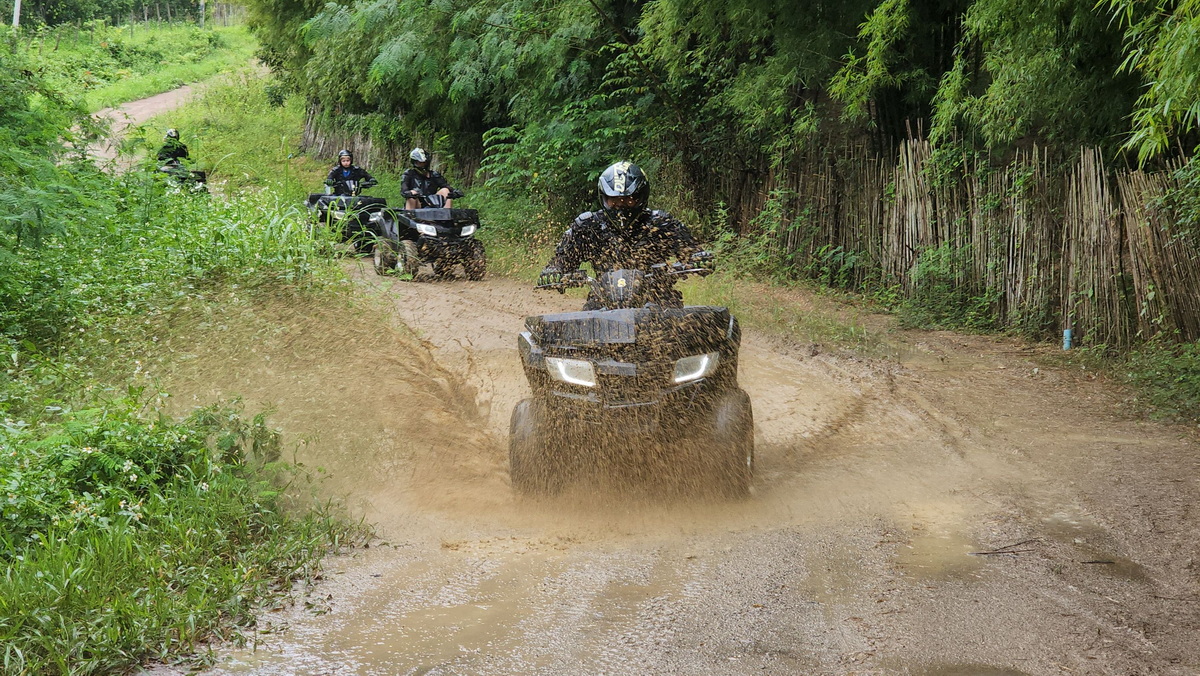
[[1168, 375], [125, 539]]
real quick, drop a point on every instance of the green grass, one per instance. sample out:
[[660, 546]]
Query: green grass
[[102, 66], [127, 539], [180, 66], [234, 131]]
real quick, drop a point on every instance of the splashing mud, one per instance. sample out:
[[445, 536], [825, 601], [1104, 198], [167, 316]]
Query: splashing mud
[[877, 485]]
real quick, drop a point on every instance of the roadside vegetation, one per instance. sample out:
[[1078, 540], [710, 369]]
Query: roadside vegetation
[[108, 65], [127, 534]]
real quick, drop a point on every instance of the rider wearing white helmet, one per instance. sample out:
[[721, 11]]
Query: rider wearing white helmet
[[420, 179]]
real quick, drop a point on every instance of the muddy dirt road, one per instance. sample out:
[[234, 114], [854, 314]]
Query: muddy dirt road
[[958, 510]]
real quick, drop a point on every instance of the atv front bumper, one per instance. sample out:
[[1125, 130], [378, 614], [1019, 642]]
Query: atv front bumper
[[431, 248]]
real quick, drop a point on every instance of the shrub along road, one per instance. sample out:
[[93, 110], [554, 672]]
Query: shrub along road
[[957, 508]]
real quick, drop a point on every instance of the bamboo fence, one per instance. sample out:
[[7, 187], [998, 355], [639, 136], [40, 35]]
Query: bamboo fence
[[1052, 245]]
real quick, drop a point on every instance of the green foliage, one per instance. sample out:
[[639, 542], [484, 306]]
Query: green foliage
[[125, 539], [57, 12], [1182, 199], [835, 267], [127, 535], [108, 65], [940, 300], [1167, 373], [861, 76], [196, 55], [1163, 46], [1028, 68]]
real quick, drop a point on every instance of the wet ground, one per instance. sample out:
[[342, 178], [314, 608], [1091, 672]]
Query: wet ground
[[958, 509]]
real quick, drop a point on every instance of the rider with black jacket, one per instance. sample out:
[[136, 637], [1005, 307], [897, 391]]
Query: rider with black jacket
[[344, 172], [419, 180], [623, 234], [172, 149]]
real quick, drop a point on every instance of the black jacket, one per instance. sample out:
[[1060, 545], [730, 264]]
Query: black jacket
[[339, 176], [657, 237], [421, 183], [172, 149]]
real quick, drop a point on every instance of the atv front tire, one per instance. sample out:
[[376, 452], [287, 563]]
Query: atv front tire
[[476, 264], [732, 429], [408, 262], [529, 463], [442, 268], [398, 257], [385, 256]]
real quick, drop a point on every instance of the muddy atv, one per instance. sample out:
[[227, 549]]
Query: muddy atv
[[636, 374], [350, 216], [433, 235]]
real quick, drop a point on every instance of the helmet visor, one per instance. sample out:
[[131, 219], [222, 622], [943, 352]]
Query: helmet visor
[[622, 202]]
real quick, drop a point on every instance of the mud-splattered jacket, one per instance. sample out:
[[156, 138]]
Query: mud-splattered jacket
[[657, 238]]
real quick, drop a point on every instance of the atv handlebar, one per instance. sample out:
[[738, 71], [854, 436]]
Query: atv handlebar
[[580, 278]]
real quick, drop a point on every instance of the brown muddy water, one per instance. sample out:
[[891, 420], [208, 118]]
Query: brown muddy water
[[877, 540]]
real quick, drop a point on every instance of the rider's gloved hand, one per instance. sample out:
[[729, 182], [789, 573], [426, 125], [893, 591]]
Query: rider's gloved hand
[[370, 182], [550, 276], [329, 181]]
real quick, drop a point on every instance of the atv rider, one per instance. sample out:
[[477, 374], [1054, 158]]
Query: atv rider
[[345, 171], [420, 180], [624, 234], [173, 150]]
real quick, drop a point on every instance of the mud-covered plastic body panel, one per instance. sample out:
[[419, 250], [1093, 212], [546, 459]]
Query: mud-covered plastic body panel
[[634, 355], [440, 234]]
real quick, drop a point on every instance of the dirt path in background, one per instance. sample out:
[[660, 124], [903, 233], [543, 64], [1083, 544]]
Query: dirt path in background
[[132, 114], [960, 510]]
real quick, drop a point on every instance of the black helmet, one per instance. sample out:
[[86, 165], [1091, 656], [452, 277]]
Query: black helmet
[[345, 153], [420, 159], [172, 133], [624, 191]]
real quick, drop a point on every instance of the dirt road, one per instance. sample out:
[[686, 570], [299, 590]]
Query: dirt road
[[134, 113], [958, 510]]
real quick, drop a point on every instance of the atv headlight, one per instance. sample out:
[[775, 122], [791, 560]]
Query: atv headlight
[[467, 231], [426, 229], [338, 213], [696, 367], [572, 371], [376, 217]]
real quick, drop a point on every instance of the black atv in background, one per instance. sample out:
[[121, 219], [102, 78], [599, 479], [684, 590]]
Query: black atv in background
[[644, 372], [184, 178], [349, 215], [433, 234]]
